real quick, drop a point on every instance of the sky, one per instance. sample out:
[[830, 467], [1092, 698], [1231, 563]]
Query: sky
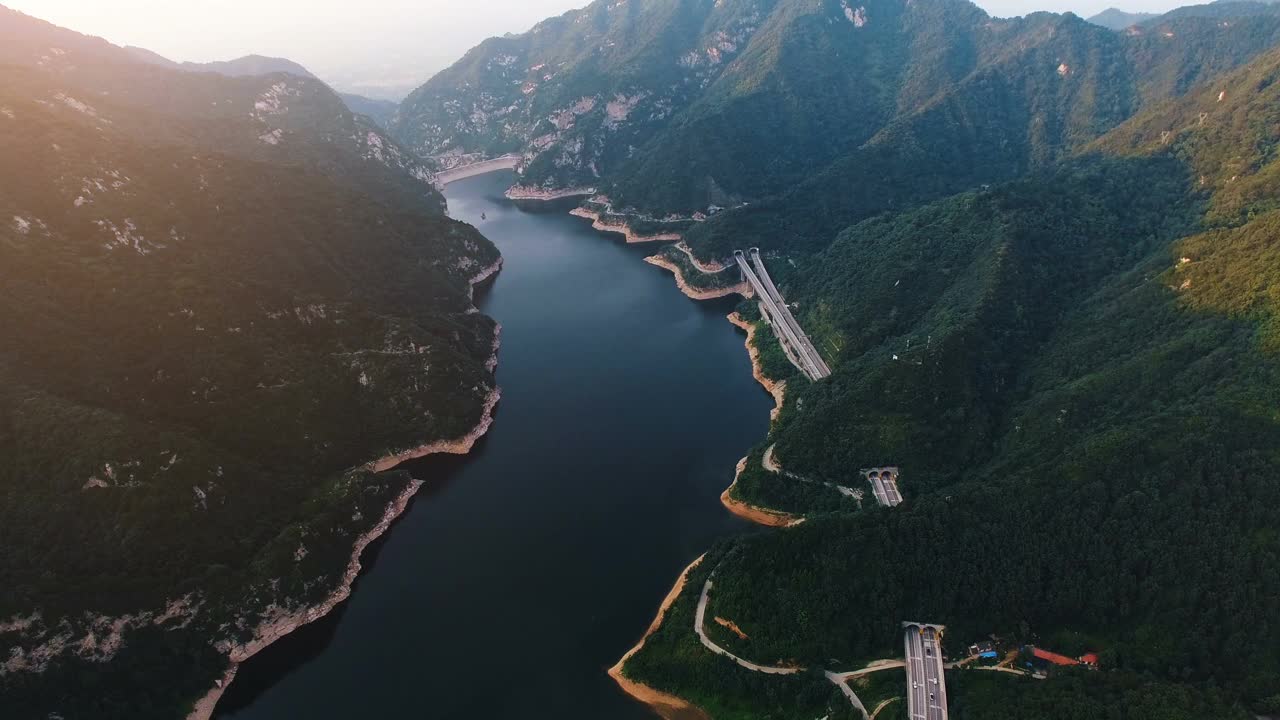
[[376, 47]]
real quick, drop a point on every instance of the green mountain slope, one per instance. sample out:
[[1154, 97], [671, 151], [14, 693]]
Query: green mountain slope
[[222, 297], [579, 92], [1226, 135], [1077, 375], [688, 106], [1028, 109]]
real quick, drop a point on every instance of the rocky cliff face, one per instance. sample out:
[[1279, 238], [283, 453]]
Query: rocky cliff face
[[580, 94]]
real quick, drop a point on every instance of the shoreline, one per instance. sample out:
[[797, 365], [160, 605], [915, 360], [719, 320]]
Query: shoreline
[[667, 705], [691, 292], [622, 229], [533, 194], [776, 388], [710, 268], [268, 632], [754, 513], [481, 276]]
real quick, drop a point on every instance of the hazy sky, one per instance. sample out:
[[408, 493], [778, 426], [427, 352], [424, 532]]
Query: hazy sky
[[359, 44]]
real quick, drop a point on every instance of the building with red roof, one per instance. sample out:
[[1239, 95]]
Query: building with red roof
[[1053, 657]]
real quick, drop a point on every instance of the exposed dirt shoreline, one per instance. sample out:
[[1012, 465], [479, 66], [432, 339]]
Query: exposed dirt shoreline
[[778, 389], [269, 632], [753, 513], [740, 289], [665, 704], [623, 228], [708, 267]]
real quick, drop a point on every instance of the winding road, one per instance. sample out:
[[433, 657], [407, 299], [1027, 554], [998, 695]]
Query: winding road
[[840, 680], [770, 463], [698, 621]]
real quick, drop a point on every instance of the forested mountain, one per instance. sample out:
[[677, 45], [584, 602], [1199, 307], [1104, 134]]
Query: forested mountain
[[1037, 254], [679, 105], [222, 298], [1027, 111], [1077, 373]]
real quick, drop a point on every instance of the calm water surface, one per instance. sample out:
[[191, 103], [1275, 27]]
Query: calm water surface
[[522, 572]]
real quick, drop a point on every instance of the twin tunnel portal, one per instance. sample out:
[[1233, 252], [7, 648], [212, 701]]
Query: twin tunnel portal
[[926, 688]]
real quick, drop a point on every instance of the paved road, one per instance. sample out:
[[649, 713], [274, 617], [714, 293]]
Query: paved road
[[878, 666], [885, 487], [700, 617], [926, 687], [838, 680], [806, 347], [778, 317], [917, 701], [891, 488], [877, 486], [770, 463], [841, 683], [937, 686]]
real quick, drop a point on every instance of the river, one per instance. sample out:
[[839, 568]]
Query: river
[[523, 571]]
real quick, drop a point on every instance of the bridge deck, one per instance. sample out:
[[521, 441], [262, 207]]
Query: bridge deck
[[805, 357]]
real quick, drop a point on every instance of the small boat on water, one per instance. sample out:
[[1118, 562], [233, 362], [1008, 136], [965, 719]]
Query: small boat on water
[[484, 216]]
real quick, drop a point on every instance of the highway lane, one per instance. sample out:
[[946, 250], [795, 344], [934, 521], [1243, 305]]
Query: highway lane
[[885, 485], [926, 685], [807, 347], [917, 699], [935, 683], [877, 486], [891, 489], [777, 318]]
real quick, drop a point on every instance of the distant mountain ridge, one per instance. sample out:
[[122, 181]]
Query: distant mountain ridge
[[680, 106], [1117, 19], [240, 67], [1219, 9], [380, 111]]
